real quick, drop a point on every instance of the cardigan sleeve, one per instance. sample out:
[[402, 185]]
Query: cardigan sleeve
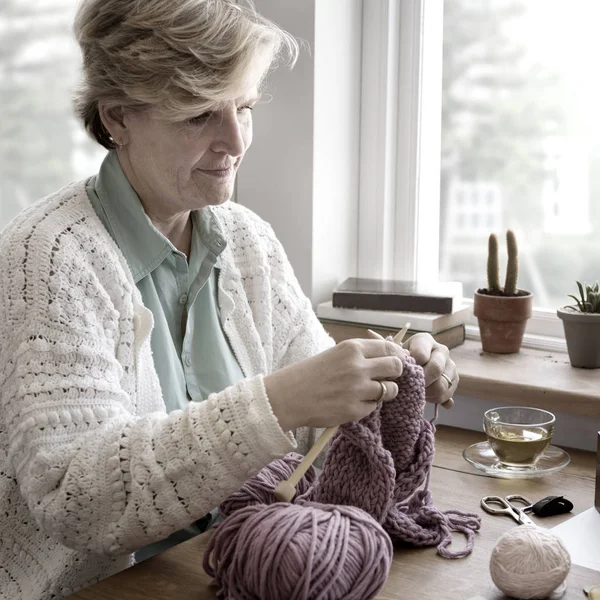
[[300, 335], [97, 475]]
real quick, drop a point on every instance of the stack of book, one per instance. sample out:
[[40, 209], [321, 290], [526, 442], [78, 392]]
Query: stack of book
[[387, 305]]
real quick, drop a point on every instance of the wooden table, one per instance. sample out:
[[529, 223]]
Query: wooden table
[[177, 574]]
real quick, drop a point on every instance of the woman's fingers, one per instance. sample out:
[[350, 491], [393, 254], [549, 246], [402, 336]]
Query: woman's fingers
[[441, 389], [375, 335], [391, 391], [436, 365], [421, 346], [387, 367], [379, 348]]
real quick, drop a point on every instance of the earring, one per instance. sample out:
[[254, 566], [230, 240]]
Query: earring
[[120, 144]]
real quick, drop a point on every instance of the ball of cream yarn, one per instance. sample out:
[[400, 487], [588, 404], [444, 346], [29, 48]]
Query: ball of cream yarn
[[529, 562]]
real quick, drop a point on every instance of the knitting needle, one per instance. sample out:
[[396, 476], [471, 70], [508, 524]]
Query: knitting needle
[[286, 490], [400, 335], [398, 340]]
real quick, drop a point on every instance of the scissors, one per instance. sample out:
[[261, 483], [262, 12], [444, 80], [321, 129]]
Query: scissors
[[508, 508]]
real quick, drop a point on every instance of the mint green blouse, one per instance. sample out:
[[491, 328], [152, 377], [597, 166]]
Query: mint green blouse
[[193, 362]]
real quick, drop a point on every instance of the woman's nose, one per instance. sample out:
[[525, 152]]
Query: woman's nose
[[231, 134]]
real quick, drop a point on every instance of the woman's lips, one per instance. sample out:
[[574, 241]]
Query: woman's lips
[[218, 173]]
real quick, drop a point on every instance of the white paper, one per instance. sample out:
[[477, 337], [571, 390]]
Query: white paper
[[581, 536]]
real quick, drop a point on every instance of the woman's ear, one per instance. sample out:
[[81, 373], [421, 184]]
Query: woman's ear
[[112, 117]]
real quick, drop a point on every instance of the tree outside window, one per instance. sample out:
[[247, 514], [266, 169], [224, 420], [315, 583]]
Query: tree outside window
[[521, 134]]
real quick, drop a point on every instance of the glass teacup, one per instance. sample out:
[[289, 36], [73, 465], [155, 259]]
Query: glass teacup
[[518, 435]]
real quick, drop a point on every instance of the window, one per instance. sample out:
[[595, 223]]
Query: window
[[486, 118], [520, 115], [42, 146]]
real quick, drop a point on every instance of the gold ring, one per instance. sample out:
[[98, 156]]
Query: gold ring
[[383, 392], [447, 379]]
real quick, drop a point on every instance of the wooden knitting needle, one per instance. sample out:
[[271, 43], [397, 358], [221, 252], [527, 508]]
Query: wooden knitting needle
[[286, 490], [398, 339], [400, 335]]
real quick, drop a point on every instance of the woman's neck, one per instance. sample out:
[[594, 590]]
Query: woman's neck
[[176, 227], [178, 232]]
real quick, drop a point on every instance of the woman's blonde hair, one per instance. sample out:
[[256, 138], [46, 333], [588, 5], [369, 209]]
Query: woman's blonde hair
[[182, 57]]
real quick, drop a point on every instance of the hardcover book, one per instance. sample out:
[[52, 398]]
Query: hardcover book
[[427, 322], [396, 295], [452, 337]]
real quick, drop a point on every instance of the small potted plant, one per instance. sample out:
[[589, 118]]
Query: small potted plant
[[502, 313], [581, 322]]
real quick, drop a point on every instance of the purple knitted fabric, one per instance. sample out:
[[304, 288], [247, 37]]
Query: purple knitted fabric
[[379, 463]]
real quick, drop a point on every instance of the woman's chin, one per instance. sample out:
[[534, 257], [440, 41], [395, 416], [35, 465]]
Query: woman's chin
[[213, 200], [213, 195]]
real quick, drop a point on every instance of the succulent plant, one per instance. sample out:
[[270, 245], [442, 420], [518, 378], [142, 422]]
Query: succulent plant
[[589, 301], [512, 265]]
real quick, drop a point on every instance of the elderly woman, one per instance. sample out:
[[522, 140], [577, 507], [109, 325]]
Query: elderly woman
[[156, 348]]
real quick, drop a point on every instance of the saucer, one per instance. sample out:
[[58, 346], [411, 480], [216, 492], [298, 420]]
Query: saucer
[[482, 457]]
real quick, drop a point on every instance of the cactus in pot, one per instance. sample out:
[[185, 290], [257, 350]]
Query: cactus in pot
[[512, 267], [502, 313]]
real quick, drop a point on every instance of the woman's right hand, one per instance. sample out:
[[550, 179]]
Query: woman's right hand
[[336, 386]]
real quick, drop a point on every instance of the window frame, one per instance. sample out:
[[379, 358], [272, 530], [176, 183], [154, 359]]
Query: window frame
[[400, 153]]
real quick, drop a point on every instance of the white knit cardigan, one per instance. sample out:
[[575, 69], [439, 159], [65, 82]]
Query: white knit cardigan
[[91, 466]]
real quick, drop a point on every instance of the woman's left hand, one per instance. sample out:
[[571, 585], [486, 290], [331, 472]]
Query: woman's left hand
[[441, 376]]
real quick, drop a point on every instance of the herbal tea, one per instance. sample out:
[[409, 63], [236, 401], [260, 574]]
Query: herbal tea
[[518, 448]]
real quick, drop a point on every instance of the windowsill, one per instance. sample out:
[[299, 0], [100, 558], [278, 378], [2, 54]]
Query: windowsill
[[534, 377], [541, 378]]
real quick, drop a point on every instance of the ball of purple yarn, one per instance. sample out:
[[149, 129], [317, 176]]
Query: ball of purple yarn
[[259, 488], [270, 552]]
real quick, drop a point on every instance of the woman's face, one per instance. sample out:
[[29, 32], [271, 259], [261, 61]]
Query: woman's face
[[177, 167]]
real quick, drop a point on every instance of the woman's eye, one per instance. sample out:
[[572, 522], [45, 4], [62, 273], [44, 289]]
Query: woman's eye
[[200, 118], [204, 117]]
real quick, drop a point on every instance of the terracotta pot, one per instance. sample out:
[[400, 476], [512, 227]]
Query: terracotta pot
[[502, 321], [582, 332]]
